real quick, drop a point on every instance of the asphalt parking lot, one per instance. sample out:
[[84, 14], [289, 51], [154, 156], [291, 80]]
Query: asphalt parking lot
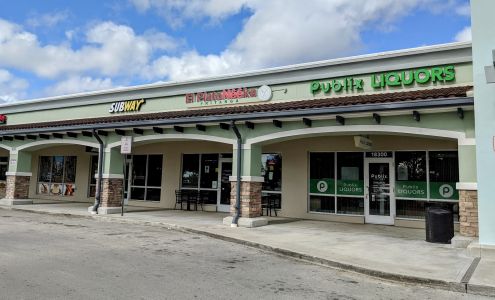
[[57, 257]]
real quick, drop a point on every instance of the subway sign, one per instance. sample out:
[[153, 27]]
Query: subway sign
[[398, 79], [126, 106]]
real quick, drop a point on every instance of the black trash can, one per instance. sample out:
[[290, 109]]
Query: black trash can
[[439, 225]]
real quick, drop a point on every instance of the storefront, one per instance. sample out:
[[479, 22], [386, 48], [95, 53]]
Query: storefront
[[383, 185], [372, 139]]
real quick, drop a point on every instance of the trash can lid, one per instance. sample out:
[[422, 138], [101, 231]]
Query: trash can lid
[[438, 210]]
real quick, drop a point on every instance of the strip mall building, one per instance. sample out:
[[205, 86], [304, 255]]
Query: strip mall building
[[368, 139]]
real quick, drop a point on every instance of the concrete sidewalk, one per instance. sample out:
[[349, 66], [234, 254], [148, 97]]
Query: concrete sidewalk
[[383, 251]]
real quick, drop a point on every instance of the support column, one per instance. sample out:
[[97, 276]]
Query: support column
[[482, 22], [18, 179], [112, 183], [468, 193], [250, 189], [250, 197]]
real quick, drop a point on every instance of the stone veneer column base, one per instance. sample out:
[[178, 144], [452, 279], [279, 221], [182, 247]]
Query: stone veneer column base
[[250, 199], [3, 189], [17, 187], [17, 190], [111, 196], [468, 213]]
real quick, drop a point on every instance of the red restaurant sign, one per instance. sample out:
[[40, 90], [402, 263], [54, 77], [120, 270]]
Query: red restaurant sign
[[203, 98], [3, 119]]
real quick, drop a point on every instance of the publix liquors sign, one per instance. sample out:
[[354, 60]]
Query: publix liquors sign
[[387, 79]]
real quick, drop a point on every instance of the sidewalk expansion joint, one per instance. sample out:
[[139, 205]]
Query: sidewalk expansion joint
[[469, 272]]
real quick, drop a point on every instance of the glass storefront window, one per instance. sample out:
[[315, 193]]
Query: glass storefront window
[[154, 174], [350, 183], [321, 173], [208, 196], [45, 166], [416, 209], [209, 171], [322, 182], [350, 205], [4, 165], [93, 169], [70, 169], [413, 182], [146, 177], [444, 173], [271, 171], [200, 172], [348, 196], [190, 170], [350, 173], [410, 174], [322, 204], [57, 175], [138, 177], [416, 173]]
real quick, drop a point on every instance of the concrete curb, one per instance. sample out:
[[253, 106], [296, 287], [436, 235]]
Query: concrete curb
[[435, 283]]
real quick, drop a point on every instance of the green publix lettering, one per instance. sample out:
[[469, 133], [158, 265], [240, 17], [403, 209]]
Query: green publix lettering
[[388, 79], [337, 85], [420, 76]]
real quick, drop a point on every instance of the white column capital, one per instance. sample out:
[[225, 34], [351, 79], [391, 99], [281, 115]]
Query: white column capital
[[248, 178], [467, 186], [27, 174]]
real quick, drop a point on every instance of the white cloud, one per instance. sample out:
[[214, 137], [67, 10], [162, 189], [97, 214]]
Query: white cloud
[[47, 20], [464, 35], [176, 11], [77, 84], [276, 32], [280, 32], [110, 50], [11, 87]]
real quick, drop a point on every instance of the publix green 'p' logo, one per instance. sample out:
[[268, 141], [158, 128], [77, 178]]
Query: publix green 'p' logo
[[322, 186], [446, 190]]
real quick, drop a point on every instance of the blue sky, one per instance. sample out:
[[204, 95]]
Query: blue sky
[[56, 47]]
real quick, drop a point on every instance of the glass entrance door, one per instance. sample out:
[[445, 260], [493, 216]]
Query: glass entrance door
[[380, 202], [225, 173]]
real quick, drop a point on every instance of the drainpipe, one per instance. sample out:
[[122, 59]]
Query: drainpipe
[[100, 173], [238, 175]]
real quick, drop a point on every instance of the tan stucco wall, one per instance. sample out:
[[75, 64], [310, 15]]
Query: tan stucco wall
[[295, 170]]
